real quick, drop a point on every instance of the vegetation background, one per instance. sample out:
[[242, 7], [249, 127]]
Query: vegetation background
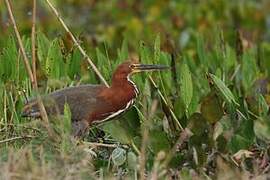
[[207, 118]]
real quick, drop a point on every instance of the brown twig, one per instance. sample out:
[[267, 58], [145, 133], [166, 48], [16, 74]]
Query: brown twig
[[42, 109], [33, 38], [85, 56], [184, 136], [95, 144], [15, 138], [145, 138]]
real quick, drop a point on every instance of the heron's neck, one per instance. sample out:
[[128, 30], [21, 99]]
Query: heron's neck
[[125, 85], [119, 97]]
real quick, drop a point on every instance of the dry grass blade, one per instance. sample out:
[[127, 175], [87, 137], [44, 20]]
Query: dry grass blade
[[33, 37], [76, 43], [145, 140], [15, 138], [95, 144], [165, 102]]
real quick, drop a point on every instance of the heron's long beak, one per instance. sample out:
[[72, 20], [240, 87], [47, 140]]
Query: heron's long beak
[[148, 67]]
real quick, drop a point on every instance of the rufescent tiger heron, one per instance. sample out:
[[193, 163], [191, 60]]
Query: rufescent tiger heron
[[91, 104]]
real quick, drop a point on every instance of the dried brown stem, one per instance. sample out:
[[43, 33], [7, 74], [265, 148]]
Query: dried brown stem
[[15, 138], [33, 38], [42, 109], [145, 137], [85, 56], [95, 144]]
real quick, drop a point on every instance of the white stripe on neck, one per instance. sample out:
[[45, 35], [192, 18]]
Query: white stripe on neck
[[134, 85]]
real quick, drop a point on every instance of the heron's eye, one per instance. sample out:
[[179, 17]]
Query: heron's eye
[[132, 66]]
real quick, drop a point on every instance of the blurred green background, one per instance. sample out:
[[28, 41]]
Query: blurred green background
[[97, 22]]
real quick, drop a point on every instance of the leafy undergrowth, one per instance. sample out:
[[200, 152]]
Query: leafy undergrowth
[[207, 117]]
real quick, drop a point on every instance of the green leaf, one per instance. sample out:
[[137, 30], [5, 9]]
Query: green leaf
[[201, 51], [263, 106], [239, 142], [123, 54], [230, 61], [223, 89], [101, 60], [144, 53], [159, 141], [157, 49], [186, 86], [211, 108], [74, 64], [132, 160], [42, 49], [8, 61], [249, 70], [118, 132], [126, 128], [55, 66]]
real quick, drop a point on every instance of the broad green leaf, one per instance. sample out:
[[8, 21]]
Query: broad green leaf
[[118, 132], [125, 128], [211, 108], [249, 70], [158, 141], [246, 129], [186, 86], [238, 142], [194, 103], [179, 108], [223, 89]]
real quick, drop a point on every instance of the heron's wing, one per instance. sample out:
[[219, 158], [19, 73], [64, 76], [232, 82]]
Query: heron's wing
[[81, 100]]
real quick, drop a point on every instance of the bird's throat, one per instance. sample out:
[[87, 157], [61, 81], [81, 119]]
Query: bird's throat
[[118, 98]]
